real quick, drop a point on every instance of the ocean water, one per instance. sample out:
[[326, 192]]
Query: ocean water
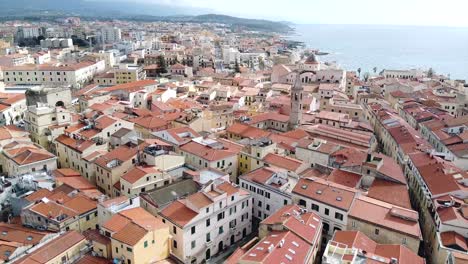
[[445, 49]]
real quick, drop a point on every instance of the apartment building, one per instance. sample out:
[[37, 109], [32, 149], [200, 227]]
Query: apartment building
[[61, 212], [46, 123], [67, 247], [385, 223], [354, 247], [74, 75], [129, 73], [270, 189], [73, 153], [331, 201], [113, 165], [23, 157], [291, 235], [137, 237], [109, 35], [142, 178], [207, 222], [437, 189], [218, 154]]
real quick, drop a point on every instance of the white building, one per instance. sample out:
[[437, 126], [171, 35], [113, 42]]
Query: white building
[[110, 35], [207, 222], [270, 189], [331, 201], [75, 75]]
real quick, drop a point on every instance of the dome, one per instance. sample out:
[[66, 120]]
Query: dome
[[312, 59]]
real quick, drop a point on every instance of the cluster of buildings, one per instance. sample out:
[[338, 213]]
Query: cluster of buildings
[[197, 143]]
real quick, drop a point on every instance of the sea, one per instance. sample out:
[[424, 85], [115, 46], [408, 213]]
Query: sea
[[444, 49]]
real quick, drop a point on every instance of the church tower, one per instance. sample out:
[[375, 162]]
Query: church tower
[[296, 102]]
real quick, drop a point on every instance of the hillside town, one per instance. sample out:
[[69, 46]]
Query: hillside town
[[157, 142]]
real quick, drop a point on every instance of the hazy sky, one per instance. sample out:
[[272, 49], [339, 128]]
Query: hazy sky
[[394, 12]]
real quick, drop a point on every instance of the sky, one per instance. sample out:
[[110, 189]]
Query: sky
[[388, 12]]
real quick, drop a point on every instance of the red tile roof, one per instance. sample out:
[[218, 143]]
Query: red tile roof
[[284, 162], [386, 215]]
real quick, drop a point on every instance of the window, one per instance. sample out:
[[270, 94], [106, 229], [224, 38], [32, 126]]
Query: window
[[174, 244], [116, 250], [285, 202], [193, 244], [268, 207], [193, 230], [129, 249], [377, 231], [259, 203], [404, 241], [315, 207], [353, 223], [145, 244], [327, 211], [208, 222], [220, 216], [174, 230], [221, 230], [208, 237], [339, 216]]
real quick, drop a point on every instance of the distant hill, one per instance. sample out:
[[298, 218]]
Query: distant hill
[[124, 9]]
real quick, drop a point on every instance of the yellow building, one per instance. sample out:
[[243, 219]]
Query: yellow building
[[66, 248], [129, 73], [137, 237]]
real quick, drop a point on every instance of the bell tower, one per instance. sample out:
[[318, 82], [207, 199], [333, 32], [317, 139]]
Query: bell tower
[[296, 102]]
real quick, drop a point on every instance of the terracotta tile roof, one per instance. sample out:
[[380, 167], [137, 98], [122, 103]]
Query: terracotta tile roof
[[246, 131], [153, 123], [130, 234], [28, 155], [212, 154], [20, 234], [122, 153], [78, 183], [269, 116], [296, 134], [178, 213], [132, 86], [38, 195], [139, 172], [104, 121], [199, 200], [52, 249], [95, 236], [403, 254], [65, 172], [333, 194], [284, 162], [390, 192], [77, 145], [345, 178], [260, 253], [81, 204], [454, 240], [88, 259], [116, 223], [386, 215]]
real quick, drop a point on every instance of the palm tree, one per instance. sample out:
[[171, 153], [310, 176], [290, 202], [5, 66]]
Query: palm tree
[[359, 72]]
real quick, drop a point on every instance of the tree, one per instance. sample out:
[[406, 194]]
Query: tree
[[430, 73], [237, 67], [359, 72], [375, 70], [366, 76], [162, 64]]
